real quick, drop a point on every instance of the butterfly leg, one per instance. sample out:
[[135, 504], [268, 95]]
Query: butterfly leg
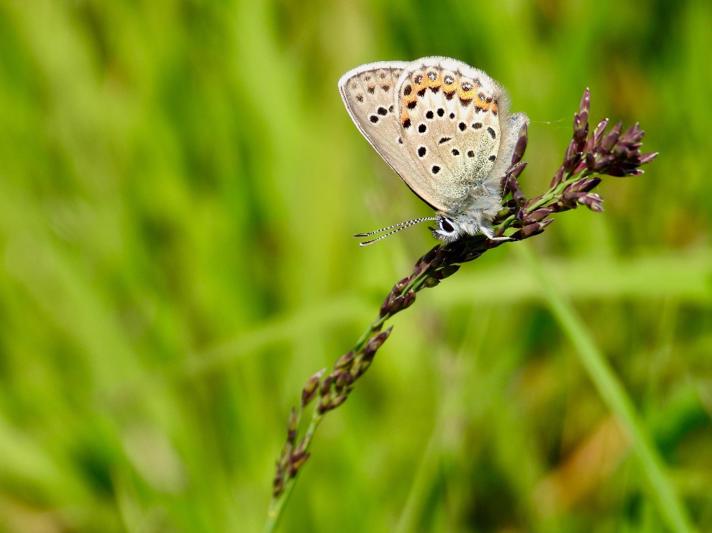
[[487, 232]]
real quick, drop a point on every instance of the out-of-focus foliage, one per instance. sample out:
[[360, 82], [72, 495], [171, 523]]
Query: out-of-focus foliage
[[178, 186]]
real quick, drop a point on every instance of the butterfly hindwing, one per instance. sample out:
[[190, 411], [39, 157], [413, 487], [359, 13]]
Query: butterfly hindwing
[[449, 114]]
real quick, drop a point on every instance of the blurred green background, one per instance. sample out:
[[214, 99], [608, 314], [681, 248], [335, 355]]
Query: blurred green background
[[179, 183]]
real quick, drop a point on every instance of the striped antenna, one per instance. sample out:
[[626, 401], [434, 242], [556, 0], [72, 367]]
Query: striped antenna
[[390, 230]]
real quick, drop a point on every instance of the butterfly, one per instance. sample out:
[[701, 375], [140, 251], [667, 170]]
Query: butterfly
[[445, 128]]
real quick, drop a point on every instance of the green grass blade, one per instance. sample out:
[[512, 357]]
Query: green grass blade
[[615, 397]]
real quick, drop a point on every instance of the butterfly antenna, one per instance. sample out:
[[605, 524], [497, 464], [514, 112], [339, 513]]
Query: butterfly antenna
[[390, 230]]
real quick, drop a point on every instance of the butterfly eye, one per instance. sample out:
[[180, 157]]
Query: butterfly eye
[[446, 225]]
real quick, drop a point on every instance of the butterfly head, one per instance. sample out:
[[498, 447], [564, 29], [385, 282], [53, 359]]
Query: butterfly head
[[451, 227]]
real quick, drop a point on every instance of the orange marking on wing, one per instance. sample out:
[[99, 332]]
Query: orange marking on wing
[[420, 81], [466, 94], [486, 103], [449, 84], [409, 101], [433, 82]]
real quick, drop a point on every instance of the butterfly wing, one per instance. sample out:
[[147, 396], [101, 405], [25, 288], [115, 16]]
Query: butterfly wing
[[369, 93], [449, 114], [442, 125]]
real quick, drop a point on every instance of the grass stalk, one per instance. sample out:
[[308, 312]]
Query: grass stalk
[[614, 396]]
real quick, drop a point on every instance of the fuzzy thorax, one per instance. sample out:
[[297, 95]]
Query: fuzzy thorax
[[474, 216]]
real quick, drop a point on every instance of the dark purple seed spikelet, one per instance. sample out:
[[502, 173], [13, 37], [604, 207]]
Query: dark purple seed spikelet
[[310, 388]]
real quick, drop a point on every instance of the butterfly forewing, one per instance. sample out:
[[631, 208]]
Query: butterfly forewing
[[449, 116], [369, 93]]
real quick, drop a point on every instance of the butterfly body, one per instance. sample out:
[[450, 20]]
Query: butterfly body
[[445, 129]]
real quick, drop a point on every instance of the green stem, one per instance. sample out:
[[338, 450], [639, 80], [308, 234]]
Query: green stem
[[375, 326], [276, 505], [543, 201], [616, 398], [555, 193]]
